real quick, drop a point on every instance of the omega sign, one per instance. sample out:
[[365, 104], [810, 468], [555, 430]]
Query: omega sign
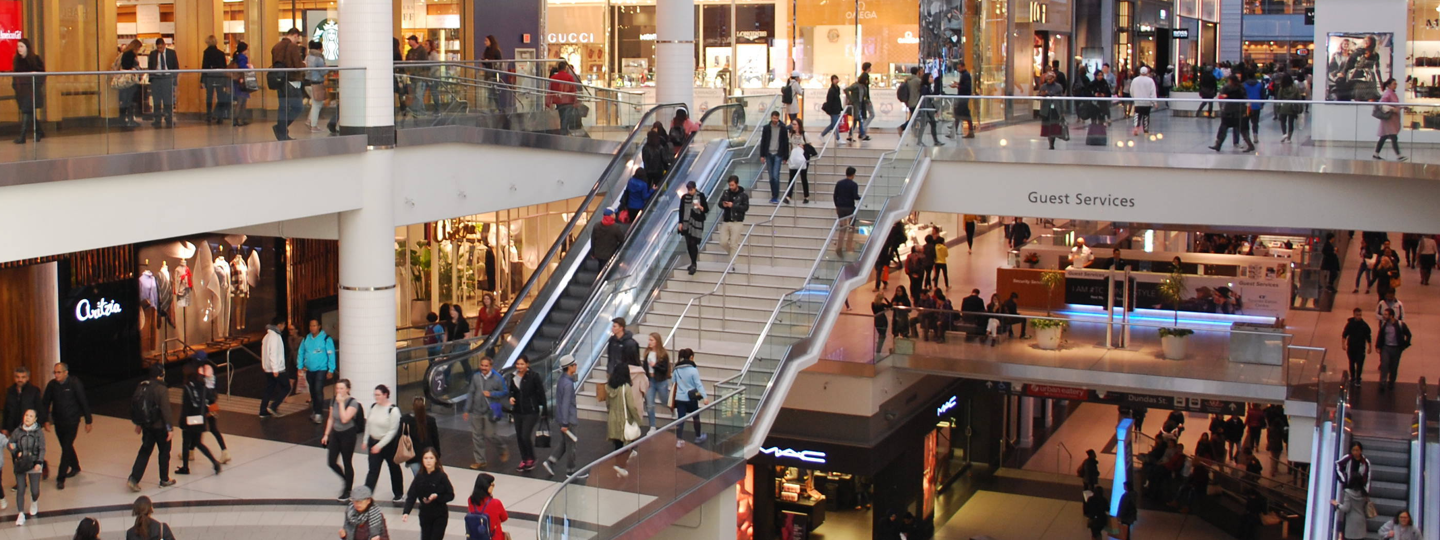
[[864, 13], [103, 308], [808, 456], [572, 37]]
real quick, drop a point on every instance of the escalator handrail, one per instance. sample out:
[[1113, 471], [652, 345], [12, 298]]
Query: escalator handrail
[[618, 162]]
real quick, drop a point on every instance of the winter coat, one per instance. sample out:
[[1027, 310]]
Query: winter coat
[[1352, 511], [621, 408], [637, 193], [605, 240], [28, 447], [1389, 126], [739, 204]]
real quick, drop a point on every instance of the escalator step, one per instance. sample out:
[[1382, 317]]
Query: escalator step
[[553, 330], [571, 304]]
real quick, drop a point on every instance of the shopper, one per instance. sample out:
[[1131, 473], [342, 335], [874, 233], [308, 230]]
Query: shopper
[[64, 405], [1426, 250], [431, 488], [637, 195], [1390, 302], [483, 509], [1386, 276], [363, 519], [527, 401], [212, 424], [315, 82], [146, 527], [1143, 90], [1129, 508], [1354, 467], [162, 83], [341, 433], [27, 451], [382, 433], [487, 392], [154, 421], [88, 529], [909, 93], [487, 319], [422, 429], [29, 90], [606, 239], [316, 362], [900, 308], [1208, 86], [621, 410], [657, 361], [243, 85], [1400, 528], [693, 210], [216, 85], [1356, 339], [288, 53], [689, 396], [1052, 111], [1389, 116], [656, 158], [1232, 116], [195, 401], [1256, 91], [878, 306], [20, 397], [562, 96], [127, 84], [964, 87], [1097, 512], [272, 361], [833, 108], [1393, 337], [774, 145], [567, 415], [734, 202], [846, 197], [925, 117], [1090, 470], [1352, 505], [621, 349], [1288, 91]]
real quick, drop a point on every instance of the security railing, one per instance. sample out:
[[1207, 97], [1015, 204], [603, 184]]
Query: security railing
[[435, 94]]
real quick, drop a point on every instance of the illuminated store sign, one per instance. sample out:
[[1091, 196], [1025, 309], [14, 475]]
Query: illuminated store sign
[[572, 37], [947, 406], [808, 456], [103, 308]]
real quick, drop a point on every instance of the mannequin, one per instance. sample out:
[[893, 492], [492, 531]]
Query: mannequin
[[253, 264], [220, 286], [183, 289], [149, 300], [165, 290], [239, 290]]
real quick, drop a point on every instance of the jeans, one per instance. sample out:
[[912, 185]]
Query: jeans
[[385, 457], [1357, 363], [21, 478], [275, 391], [772, 164], [1287, 124], [1236, 123], [660, 389], [1362, 274], [482, 432], [566, 450], [150, 440], [69, 462], [1389, 363], [682, 408], [1254, 119], [338, 455], [316, 380], [937, 270], [291, 106], [525, 434], [862, 120], [127, 103], [833, 126], [162, 96], [804, 182], [238, 109]]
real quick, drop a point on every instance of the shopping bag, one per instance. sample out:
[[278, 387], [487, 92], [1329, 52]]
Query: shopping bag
[[602, 392], [845, 124], [542, 435], [1095, 135], [1064, 129]]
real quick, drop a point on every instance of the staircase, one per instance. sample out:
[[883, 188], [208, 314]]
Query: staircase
[[723, 328], [1389, 478]]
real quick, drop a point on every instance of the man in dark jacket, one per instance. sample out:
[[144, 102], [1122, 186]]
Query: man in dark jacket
[[974, 312], [155, 431], [18, 398], [1012, 307], [65, 404], [1232, 116], [1090, 470], [162, 84], [1019, 234], [774, 147], [566, 416], [847, 195], [606, 239], [288, 53], [1357, 340], [833, 108], [622, 350], [734, 202], [1392, 338]]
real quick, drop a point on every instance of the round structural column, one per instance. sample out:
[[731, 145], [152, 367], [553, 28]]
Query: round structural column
[[367, 280], [675, 53], [367, 98]]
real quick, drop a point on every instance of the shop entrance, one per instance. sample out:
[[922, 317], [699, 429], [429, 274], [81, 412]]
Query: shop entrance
[[1164, 46]]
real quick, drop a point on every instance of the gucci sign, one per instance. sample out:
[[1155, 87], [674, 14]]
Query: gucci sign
[[572, 37]]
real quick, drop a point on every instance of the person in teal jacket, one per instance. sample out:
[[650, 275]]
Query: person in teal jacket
[[316, 362]]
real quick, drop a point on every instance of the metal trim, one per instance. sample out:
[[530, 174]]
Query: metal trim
[[681, 41], [477, 135], [367, 289]]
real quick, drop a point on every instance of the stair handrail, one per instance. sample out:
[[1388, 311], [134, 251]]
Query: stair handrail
[[744, 242], [1418, 516], [481, 83]]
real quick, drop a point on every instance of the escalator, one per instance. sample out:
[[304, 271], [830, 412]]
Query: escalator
[[561, 312]]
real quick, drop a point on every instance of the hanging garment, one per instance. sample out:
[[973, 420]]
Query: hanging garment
[[182, 285], [166, 292], [221, 287], [252, 272], [148, 295], [239, 292]]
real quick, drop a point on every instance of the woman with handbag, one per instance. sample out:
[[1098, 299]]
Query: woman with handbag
[[432, 489], [244, 84], [195, 400], [215, 84], [1389, 117], [422, 431], [127, 84], [689, 395], [527, 402], [382, 433], [622, 420]]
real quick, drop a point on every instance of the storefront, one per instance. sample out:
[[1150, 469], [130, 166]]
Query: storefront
[[1423, 64], [1143, 34], [1296, 54]]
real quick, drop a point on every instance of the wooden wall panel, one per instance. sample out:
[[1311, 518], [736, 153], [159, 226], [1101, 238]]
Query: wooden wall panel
[[314, 274], [29, 332]]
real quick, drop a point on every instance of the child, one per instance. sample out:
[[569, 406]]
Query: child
[[28, 453]]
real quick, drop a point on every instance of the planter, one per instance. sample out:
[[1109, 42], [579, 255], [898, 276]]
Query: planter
[[1173, 347], [418, 310], [1048, 339], [1184, 108]]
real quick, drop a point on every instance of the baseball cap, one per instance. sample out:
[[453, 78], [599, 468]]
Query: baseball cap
[[609, 212], [795, 74]]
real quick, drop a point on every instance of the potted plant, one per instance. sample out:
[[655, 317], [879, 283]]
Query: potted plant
[[420, 261], [1032, 259], [1172, 340], [1188, 90], [1049, 331]]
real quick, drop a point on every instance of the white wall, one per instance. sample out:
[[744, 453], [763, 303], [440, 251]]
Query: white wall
[[444, 181], [1187, 196], [815, 390], [1342, 123]]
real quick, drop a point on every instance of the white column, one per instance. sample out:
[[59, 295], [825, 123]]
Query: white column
[[1049, 413], [367, 99], [1027, 422], [367, 280], [675, 53]]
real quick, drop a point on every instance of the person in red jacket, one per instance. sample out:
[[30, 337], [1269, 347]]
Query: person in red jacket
[[482, 500], [563, 90]]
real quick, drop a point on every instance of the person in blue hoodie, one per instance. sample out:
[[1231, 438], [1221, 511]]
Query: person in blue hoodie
[[1255, 89], [689, 395], [316, 362], [637, 193]]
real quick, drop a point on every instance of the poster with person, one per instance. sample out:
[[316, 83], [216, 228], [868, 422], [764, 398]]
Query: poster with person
[[1358, 63]]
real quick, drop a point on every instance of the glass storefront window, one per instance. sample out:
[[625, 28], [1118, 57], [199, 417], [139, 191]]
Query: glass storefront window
[[1422, 58], [1289, 53], [1287, 7]]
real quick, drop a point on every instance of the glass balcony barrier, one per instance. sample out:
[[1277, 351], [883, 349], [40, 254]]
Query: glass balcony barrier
[[437, 94], [61, 115]]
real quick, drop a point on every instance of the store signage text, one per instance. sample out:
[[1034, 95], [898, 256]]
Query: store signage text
[[572, 37], [908, 39], [1183, 33], [753, 35], [864, 13], [808, 456], [103, 308], [10, 35], [1145, 30], [1039, 13], [1057, 392], [948, 406], [647, 37], [1080, 199]]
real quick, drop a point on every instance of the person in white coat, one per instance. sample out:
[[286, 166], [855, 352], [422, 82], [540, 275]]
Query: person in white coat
[[798, 162], [1142, 88], [272, 360]]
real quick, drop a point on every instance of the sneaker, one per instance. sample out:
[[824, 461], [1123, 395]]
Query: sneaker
[[634, 454], [679, 443], [20, 520], [529, 465], [806, 201], [316, 419], [548, 470], [777, 201], [580, 476], [60, 482], [521, 466], [344, 496], [702, 438], [622, 472], [276, 412], [865, 138], [167, 483], [477, 466], [34, 508], [182, 470], [1401, 158], [128, 482], [266, 415], [1377, 156], [399, 499], [4, 504]]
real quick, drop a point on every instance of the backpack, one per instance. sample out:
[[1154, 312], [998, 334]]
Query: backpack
[[359, 419], [477, 524], [144, 412], [677, 135], [903, 92], [787, 95]]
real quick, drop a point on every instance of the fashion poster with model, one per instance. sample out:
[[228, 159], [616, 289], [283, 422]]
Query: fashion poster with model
[[1358, 63]]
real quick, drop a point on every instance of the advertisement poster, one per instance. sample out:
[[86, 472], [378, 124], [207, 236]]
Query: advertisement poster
[[1359, 62], [10, 33], [1263, 290]]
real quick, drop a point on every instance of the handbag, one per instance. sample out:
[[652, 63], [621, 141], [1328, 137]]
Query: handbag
[[602, 392], [1064, 129], [670, 401], [582, 110], [405, 450], [1382, 112], [1370, 509], [632, 429], [845, 124], [542, 435], [250, 82]]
